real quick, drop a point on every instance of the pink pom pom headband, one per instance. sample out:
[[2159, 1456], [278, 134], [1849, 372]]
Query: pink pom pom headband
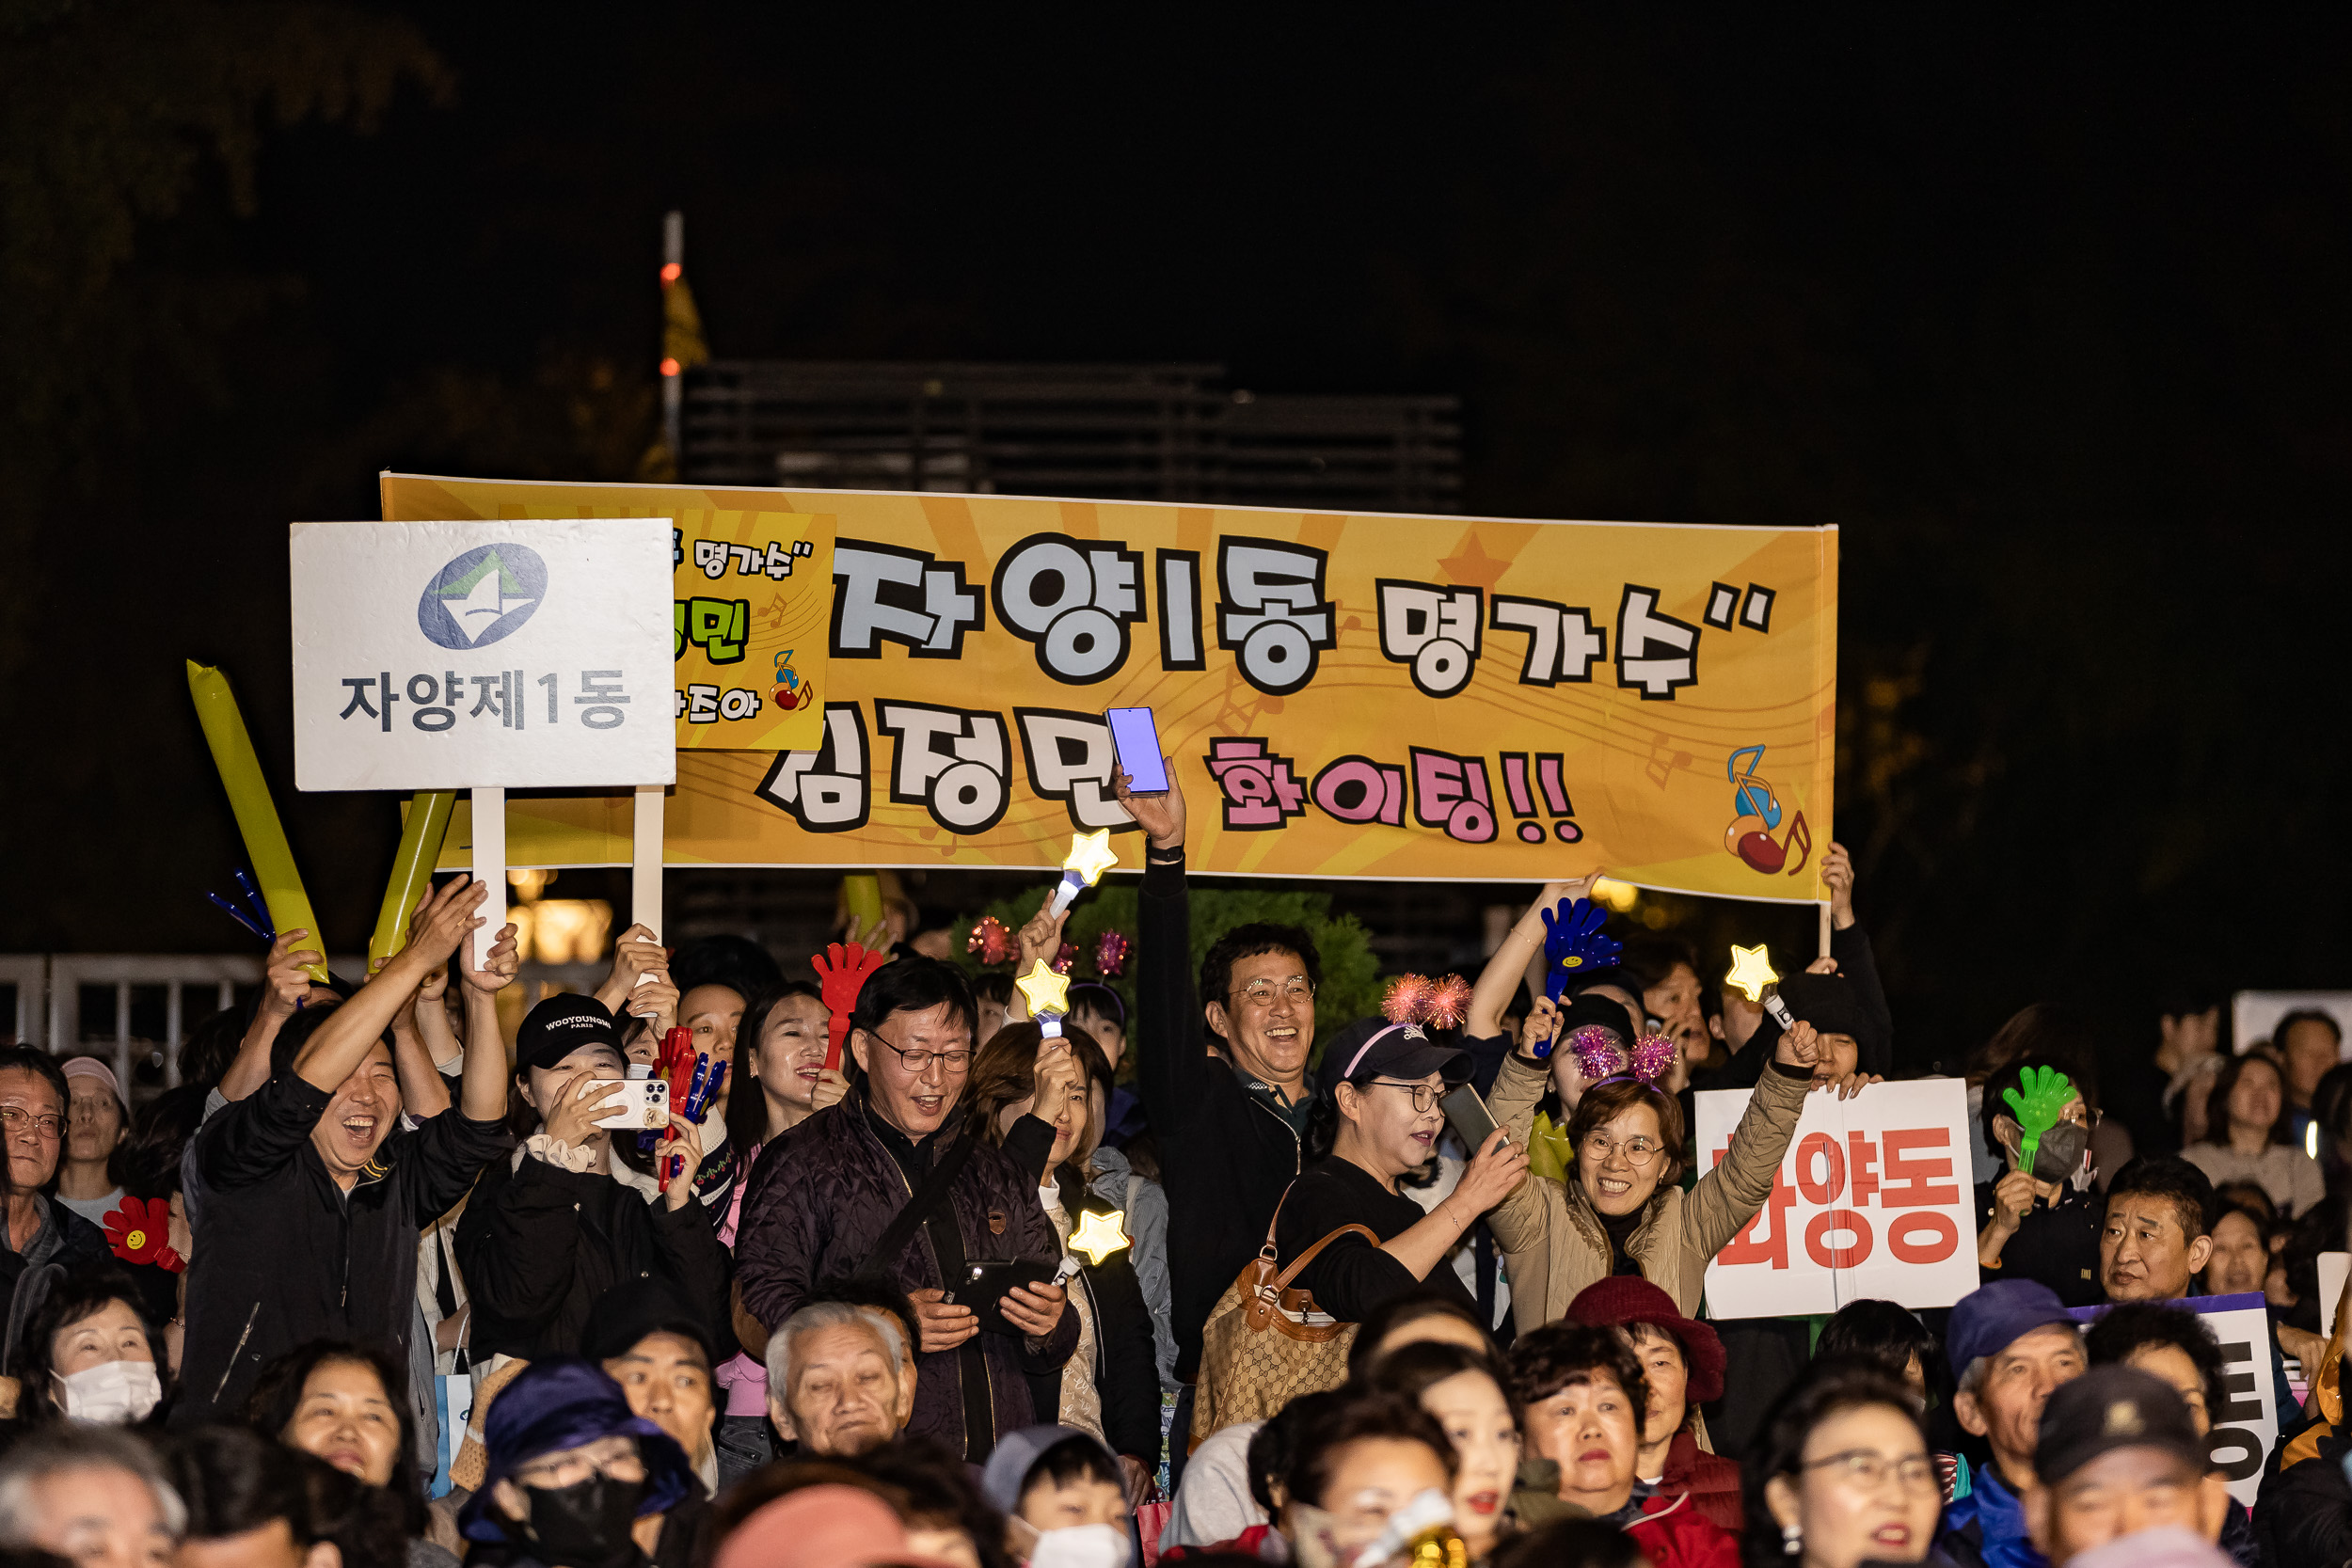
[[1602, 1058], [1417, 998]]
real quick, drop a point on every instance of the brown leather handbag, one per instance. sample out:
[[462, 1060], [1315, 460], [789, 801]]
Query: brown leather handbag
[[1263, 1346]]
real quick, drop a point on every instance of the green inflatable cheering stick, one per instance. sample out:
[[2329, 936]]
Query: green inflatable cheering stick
[[2046, 1093]]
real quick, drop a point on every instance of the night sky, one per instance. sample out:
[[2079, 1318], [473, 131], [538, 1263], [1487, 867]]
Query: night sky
[[2049, 316]]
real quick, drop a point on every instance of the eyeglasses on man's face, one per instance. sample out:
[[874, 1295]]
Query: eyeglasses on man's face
[[1263, 994], [918, 1060], [16, 1122]]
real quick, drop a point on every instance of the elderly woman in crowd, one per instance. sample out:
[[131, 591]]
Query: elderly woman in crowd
[[342, 1404], [1842, 1475], [2249, 1136], [86, 1354], [1682, 1361]]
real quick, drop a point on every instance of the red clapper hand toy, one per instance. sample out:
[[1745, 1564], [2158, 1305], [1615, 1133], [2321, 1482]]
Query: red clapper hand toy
[[837, 987]]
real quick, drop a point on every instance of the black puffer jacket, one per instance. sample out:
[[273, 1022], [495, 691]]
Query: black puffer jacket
[[816, 1208]]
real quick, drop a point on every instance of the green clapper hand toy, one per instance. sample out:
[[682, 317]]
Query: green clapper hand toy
[[2047, 1093]]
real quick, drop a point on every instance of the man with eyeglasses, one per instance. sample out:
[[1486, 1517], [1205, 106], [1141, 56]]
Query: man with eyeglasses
[[827, 1206], [1229, 1097], [33, 1100], [2119, 1455]]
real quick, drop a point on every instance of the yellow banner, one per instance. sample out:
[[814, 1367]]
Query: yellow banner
[[1423, 698]]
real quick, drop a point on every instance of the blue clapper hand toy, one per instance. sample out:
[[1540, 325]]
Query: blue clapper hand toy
[[1574, 945]]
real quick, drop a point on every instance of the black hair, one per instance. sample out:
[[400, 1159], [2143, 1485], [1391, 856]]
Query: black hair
[[915, 984], [1652, 959], [81, 1292], [35, 1060], [1562, 1354], [1357, 1415], [1412, 1369], [211, 1045], [296, 1031], [1883, 1332], [992, 985], [938, 1490], [1826, 1388], [278, 1394], [747, 1102], [2131, 1325], [2332, 1107], [1072, 1459], [1094, 999], [1570, 1544], [2318, 1230], [1398, 1311], [1323, 1112], [234, 1480], [735, 962], [1249, 942], [2225, 1084], [2170, 1176], [2249, 1198], [2045, 1034], [2304, 1015], [2010, 1075], [148, 1165], [1268, 1460]]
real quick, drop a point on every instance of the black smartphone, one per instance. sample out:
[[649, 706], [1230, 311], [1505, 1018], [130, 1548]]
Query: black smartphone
[[1136, 739], [1469, 1117], [983, 1285]]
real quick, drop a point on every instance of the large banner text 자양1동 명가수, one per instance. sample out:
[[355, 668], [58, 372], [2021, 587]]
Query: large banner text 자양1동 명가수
[[1362, 695]]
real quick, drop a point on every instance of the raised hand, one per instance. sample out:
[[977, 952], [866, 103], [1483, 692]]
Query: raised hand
[[287, 976], [688, 1148], [444, 920], [1837, 876], [1542, 1025], [1056, 1074], [654, 1000], [939, 1325], [1039, 937], [1160, 816], [498, 968], [1800, 1047], [1493, 1171], [572, 1121], [634, 954]]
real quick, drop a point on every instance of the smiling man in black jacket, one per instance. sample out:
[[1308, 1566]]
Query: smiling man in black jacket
[[310, 1202], [1230, 1130]]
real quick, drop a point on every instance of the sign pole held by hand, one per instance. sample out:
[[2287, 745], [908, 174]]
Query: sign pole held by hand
[[1826, 929], [644, 877], [490, 866]]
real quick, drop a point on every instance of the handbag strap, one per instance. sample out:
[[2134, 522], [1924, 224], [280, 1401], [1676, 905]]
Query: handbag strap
[[1272, 1254], [918, 1207]]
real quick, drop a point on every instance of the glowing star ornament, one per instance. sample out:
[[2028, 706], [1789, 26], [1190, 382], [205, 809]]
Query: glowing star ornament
[[1090, 855], [1752, 974], [1099, 1235], [1047, 995]]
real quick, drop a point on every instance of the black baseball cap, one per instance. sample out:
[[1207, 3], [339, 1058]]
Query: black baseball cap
[[2113, 1407], [559, 1026], [635, 1307], [1391, 1050]]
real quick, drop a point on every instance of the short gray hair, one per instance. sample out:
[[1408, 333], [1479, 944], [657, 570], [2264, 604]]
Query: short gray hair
[[70, 1445], [830, 1314]]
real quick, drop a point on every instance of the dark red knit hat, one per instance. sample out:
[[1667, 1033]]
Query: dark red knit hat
[[1625, 1298]]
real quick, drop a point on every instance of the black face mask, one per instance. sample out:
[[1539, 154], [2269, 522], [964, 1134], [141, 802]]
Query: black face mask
[[585, 1525]]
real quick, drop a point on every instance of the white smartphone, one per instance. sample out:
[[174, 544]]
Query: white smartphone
[[644, 1104]]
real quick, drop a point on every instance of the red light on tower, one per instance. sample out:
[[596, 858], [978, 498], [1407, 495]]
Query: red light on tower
[[669, 367], [670, 273]]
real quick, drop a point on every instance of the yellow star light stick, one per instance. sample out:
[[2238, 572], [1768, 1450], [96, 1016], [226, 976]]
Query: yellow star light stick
[[1752, 974], [1047, 994], [1090, 855], [1099, 1235]]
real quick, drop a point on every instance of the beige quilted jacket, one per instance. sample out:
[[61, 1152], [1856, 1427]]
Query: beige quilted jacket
[[1552, 1241]]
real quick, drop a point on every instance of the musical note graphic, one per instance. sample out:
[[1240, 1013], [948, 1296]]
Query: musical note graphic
[[1751, 796], [1757, 812]]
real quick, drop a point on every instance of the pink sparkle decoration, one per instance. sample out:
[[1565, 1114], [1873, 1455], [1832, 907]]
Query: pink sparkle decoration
[[1449, 1003], [1063, 959], [1110, 955], [991, 939], [1597, 1051], [1652, 1056], [1408, 998]]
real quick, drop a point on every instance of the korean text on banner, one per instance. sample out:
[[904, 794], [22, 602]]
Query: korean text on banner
[[1871, 1200], [1343, 695], [751, 589], [448, 654], [2246, 1424]]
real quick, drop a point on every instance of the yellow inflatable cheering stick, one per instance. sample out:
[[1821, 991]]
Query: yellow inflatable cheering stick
[[256, 815], [420, 849]]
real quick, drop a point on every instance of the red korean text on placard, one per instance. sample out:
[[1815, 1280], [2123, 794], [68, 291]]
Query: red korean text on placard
[[1906, 1174]]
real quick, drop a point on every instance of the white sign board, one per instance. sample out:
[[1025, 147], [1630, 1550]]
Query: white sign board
[[507, 654], [1872, 1200], [2333, 1269], [2246, 1424], [2254, 1015]]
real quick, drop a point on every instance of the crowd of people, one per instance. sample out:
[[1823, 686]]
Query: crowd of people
[[927, 1280]]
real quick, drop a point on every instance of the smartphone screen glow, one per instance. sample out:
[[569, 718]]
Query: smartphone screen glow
[[1137, 741]]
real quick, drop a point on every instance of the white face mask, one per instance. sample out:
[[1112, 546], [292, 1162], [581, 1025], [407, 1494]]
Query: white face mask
[[113, 1393], [1081, 1547]]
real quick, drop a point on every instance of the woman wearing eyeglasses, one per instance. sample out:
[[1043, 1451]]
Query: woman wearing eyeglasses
[[1621, 1209], [1841, 1474], [1377, 1118]]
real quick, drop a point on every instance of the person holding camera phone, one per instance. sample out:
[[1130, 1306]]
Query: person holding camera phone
[[567, 1217]]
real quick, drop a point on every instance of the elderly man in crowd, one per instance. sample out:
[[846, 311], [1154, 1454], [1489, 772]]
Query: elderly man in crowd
[[34, 1098], [2012, 1345], [847, 1197], [2119, 1454], [841, 1379], [92, 1495]]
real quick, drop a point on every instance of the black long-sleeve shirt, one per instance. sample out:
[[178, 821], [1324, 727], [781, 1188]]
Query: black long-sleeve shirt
[[1352, 1278]]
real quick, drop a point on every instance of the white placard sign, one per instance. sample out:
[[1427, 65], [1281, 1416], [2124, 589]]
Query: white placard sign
[[2254, 1015], [504, 654], [1872, 1200], [2246, 1423]]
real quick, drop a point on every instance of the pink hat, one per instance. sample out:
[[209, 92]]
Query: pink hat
[[819, 1526], [90, 1066]]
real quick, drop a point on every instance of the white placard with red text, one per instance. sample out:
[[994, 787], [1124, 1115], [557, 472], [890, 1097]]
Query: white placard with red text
[[1872, 1200]]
